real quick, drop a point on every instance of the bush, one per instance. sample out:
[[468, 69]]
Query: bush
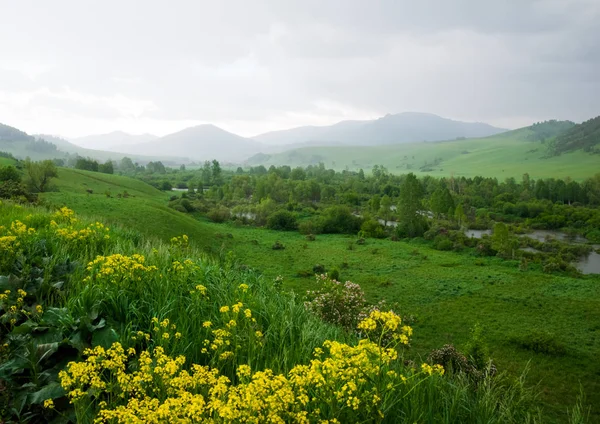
[[319, 269], [342, 304], [278, 246], [372, 228], [282, 221], [311, 226], [334, 274], [442, 243], [339, 220], [219, 214]]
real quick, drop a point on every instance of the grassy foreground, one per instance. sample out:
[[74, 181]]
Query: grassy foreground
[[99, 325], [448, 293]]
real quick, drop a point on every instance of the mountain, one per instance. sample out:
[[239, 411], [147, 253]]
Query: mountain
[[202, 142], [113, 141], [391, 129], [584, 136]]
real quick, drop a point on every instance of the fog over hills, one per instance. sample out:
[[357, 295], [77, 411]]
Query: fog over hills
[[112, 141], [202, 142]]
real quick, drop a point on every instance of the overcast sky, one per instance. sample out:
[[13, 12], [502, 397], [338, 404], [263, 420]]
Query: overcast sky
[[82, 67]]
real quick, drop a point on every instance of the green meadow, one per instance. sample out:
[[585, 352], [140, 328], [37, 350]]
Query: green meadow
[[501, 156], [448, 293]]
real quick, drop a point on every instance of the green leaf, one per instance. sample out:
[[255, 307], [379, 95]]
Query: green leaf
[[58, 284], [56, 316], [45, 350], [105, 337], [50, 391], [25, 328]]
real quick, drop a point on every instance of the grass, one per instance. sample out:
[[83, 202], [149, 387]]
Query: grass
[[501, 156], [144, 210], [168, 296], [6, 161], [449, 293]]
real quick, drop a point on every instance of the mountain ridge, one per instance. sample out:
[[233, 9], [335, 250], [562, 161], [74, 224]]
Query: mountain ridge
[[403, 127]]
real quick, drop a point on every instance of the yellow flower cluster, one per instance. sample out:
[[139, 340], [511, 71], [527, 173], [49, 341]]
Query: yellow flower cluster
[[118, 268], [64, 215], [9, 245], [19, 229], [342, 381], [180, 242], [385, 327], [239, 331], [12, 310], [432, 369], [93, 232]]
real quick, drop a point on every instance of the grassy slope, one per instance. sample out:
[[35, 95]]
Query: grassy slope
[[144, 211], [449, 293], [501, 156], [6, 161]]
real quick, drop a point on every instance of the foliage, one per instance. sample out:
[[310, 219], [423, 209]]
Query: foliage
[[338, 303], [40, 174], [282, 220]]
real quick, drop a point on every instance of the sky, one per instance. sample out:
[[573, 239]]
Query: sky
[[80, 67]]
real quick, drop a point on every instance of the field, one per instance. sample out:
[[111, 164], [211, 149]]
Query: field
[[449, 293], [500, 156], [144, 210]]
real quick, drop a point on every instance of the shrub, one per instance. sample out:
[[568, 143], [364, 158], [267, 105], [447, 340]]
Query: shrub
[[339, 220], [310, 237], [442, 243], [219, 214], [311, 226], [319, 269], [372, 228], [282, 220], [278, 246], [337, 303]]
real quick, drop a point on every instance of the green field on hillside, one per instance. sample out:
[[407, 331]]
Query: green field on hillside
[[449, 293], [501, 156], [144, 209], [6, 161]]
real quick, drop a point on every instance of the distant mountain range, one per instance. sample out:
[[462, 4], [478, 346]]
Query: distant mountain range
[[206, 142], [202, 142], [405, 127]]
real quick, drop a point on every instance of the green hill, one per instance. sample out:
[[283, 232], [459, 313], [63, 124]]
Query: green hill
[[124, 201], [585, 136], [504, 155]]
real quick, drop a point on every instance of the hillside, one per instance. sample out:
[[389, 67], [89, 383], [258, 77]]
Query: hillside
[[113, 141], [509, 154], [391, 129], [202, 142], [584, 136], [144, 208]]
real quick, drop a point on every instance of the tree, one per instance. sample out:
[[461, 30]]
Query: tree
[[502, 242], [9, 173], [412, 223], [441, 201], [39, 174], [126, 165], [216, 172], [385, 208], [459, 214], [106, 167]]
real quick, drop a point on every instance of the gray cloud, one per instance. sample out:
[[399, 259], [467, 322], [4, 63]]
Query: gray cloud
[[75, 67]]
